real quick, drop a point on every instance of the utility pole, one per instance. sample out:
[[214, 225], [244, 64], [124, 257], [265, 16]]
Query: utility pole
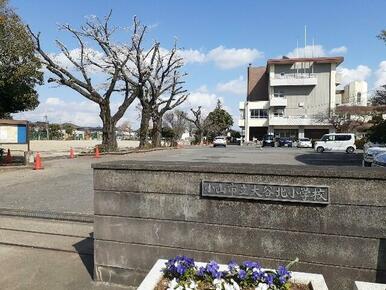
[[305, 48], [46, 121]]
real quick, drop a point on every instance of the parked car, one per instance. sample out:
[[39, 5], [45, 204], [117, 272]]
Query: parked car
[[380, 160], [269, 140], [369, 145], [305, 143], [285, 141], [370, 153], [336, 142], [220, 141]]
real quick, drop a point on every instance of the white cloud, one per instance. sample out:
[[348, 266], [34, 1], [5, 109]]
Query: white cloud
[[89, 53], [338, 50], [381, 74], [206, 100], [228, 58], [224, 58], [360, 73], [192, 56], [308, 51], [202, 89], [316, 51], [81, 113], [236, 87], [53, 101]]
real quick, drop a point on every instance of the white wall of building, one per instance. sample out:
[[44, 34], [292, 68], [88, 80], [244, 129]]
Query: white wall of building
[[355, 94]]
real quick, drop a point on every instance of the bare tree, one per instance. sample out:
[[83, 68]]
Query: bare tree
[[379, 98], [111, 62], [168, 98], [160, 82], [348, 118], [176, 122], [199, 123], [136, 73]]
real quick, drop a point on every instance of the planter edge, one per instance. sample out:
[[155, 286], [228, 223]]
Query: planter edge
[[154, 276], [361, 285]]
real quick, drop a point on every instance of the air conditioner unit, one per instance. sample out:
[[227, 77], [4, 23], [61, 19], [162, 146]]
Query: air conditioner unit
[[301, 104]]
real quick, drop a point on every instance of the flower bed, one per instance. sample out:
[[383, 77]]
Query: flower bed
[[182, 273]]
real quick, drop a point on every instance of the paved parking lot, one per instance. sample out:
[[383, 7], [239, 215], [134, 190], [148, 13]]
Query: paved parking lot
[[66, 185], [266, 155]]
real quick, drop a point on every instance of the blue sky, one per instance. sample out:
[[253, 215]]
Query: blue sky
[[221, 38]]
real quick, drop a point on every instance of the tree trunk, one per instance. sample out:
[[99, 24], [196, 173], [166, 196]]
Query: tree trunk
[[157, 128], [199, 134], [144, 129], [109, 140]]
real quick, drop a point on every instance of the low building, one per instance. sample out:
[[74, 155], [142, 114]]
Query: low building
[[355, 94], [290, 97]]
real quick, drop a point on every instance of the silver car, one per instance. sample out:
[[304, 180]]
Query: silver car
[[370, 152], [380, 160], [304, 143], [220, 141]]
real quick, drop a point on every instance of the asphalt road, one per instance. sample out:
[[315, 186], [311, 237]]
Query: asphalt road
[[66, 185]]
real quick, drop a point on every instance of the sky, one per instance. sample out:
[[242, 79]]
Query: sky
[[219, 39]]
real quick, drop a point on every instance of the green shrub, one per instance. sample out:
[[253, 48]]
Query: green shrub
[[377, 133]]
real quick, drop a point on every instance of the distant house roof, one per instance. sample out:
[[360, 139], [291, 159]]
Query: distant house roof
[[12, 122], [336, 59]]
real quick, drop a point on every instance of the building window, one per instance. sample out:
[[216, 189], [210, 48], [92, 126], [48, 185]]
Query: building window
[[342, 137], [278, 94], [278, 112], [242, 114], [286, 133], [259, 114], [359, 95]]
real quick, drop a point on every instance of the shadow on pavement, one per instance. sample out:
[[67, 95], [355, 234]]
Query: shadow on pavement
[[85, 249], [331, 159]]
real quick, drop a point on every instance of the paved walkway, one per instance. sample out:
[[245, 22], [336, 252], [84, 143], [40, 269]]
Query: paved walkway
[[36, 269]]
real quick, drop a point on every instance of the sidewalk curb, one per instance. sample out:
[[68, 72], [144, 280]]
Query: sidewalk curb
[[66, 156], [74, 217], [136, 150]]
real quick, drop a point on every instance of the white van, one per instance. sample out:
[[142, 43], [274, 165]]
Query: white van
[[336, 142]]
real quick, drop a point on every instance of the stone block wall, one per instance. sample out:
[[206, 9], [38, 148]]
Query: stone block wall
[[150, 210]]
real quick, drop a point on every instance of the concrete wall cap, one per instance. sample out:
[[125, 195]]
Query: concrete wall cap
[[246, 168]]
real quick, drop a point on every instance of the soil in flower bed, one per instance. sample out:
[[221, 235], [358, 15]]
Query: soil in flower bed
[[163, 285]]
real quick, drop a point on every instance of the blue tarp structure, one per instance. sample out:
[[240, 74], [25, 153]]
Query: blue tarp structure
[[22, 134]]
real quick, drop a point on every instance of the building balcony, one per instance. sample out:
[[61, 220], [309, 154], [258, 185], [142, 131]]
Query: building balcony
[[293, 79], [257, 122], [278, 102], [241, 123], [295, 121], [241, 105]]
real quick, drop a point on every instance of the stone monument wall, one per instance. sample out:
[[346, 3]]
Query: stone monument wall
[[332, 218]]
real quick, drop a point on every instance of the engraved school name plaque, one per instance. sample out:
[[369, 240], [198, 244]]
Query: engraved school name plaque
[[269, 192]]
